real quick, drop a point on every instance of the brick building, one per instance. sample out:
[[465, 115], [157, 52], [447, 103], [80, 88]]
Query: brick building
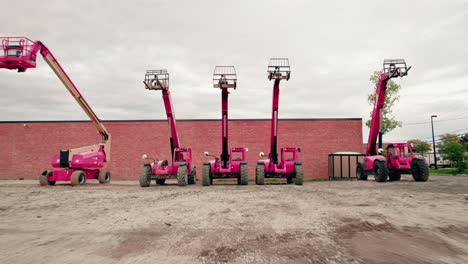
[[27, 147]]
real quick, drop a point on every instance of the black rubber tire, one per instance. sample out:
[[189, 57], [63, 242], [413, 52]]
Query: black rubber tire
[[394, 175], [260, 174], [206, 181], [44, 178], [360, 174], [244, 174], [160, 181], [192, 178], [420, 170], [78, 178], [380, 171], [145, 175], [299, 173], [182, 177], [104, 177]]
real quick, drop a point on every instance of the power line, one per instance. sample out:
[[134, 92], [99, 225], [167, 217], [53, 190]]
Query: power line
[[435, 121]]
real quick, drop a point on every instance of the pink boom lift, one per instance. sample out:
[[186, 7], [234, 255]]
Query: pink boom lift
[[284, 167], [71, 165], [180, 168], [400, 158]]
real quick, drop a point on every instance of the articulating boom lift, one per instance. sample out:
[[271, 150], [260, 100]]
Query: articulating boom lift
[[75, 165], [291, 169], [181, 167], [400, 158], [225, 77]]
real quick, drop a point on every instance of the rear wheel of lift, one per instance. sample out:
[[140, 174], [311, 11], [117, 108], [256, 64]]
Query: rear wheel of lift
[[244, 174], [394, 175], [192, 178], [360, 174], [160, 181], [182, 175], [260, 174], [420, 170], [104, 177], [44, 178], [380, 171], [206, 181], [145, 175], [299, 173], [78, 178]]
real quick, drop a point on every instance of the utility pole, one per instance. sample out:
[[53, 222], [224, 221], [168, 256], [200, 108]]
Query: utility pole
[[433, 141]]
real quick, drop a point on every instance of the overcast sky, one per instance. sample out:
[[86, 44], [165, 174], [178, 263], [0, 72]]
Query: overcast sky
[[333, 47]]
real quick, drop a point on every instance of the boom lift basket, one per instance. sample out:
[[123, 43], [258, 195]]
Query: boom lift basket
[[278, 68], [395, 68], [224, 77], [156, 79], [17, 53]]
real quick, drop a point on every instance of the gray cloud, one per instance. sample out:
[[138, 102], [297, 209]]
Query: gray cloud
[[333, 46]]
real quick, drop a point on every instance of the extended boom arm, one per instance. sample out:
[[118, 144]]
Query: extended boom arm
[[392, 69]]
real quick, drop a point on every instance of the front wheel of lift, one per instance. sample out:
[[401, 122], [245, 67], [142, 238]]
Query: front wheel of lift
[[44, 178], [206, 175], [244, 174], [145, 175], [380, 171], [260, 174], [78, 178], [104, 177], [182, 175], [299, 173]]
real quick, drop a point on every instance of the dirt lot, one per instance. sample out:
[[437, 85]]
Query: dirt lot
[[320, 222]]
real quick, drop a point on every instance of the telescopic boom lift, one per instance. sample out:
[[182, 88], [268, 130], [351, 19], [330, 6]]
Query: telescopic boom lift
[[72, 165], [400, 157], [289, 168], [181, 168], [225, 77]]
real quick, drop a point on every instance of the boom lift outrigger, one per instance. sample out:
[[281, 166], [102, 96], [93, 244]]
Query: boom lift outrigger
[[226, 166], [181, 167], [291, 169], [75, 165], [400, 158]]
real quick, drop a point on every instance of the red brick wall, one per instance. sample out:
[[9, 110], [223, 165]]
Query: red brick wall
[[27, 148]]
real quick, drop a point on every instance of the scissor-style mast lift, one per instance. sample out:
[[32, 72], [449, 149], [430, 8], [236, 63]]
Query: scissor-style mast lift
[[225, 77], [75, 165], [400, 158], [291, 169], [181, 167]]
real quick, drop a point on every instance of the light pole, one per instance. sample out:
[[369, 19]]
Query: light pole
[[433, 141]]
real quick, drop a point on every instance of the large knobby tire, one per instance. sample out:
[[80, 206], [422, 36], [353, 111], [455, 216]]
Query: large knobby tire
[[44, 179], [192, 178], [145, 175], [206, 175], [260, 174], [78, 178], [380, 171], [360, 174], [420, 170], [182, 178], [104, 177], [244, 174], [299, 173], [394, 175]]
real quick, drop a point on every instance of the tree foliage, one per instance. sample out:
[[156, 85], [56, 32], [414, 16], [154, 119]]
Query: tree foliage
[[451, 147], [392, 96], [464, 140], [420, 146]]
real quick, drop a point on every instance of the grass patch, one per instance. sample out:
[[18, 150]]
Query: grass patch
[[452, 171]]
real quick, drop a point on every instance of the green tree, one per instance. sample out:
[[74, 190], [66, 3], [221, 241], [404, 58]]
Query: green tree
[[464, 140], [391, 97], [445, 139], [420, 146], [454, 151]]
